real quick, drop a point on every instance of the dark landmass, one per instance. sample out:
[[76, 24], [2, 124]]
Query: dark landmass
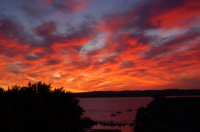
[[167, 92], [180, 114]]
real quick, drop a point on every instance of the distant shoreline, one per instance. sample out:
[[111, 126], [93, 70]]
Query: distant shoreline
[[147, 93]]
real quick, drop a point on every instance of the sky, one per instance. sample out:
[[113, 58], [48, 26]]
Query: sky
[[101, 45]]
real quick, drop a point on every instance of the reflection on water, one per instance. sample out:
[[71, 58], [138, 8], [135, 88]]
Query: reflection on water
[[100, 109]]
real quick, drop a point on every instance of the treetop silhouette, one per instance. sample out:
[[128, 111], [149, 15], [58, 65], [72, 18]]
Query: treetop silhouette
[[39, 107]]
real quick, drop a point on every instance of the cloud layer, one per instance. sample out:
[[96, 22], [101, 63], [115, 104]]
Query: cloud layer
[[150, 44]]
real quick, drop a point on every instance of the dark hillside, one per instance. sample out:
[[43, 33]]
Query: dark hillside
[[167, 92]]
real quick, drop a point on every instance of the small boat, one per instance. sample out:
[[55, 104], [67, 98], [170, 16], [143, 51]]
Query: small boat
[[104, 124], [129, 108], [112, 114], [123, 123], [112, 123], [118, 112]]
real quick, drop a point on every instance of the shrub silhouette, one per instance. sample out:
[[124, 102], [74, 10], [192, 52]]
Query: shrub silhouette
[[39, 107]]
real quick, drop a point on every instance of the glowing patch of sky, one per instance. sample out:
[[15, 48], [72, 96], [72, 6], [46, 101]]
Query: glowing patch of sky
[[100, 44]]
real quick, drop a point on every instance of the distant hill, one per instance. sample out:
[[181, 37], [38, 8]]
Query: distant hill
[[167, 92]]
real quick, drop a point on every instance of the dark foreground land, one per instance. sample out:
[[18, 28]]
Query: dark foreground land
[[181, 114], [168, 92], [39, 108]]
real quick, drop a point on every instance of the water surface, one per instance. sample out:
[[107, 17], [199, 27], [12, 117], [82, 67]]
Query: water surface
[[100, 109]]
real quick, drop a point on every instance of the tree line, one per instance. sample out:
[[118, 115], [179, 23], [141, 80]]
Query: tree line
[[39, 107]]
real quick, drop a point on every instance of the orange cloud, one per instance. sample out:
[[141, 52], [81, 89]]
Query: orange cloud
[[111, 53]]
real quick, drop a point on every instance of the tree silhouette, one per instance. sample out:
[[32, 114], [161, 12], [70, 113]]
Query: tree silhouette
[[39, 107], [142, 115], [1, 90]]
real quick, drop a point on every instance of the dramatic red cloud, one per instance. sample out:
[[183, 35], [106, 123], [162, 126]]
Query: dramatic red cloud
[[119, 51], [187, 14]]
